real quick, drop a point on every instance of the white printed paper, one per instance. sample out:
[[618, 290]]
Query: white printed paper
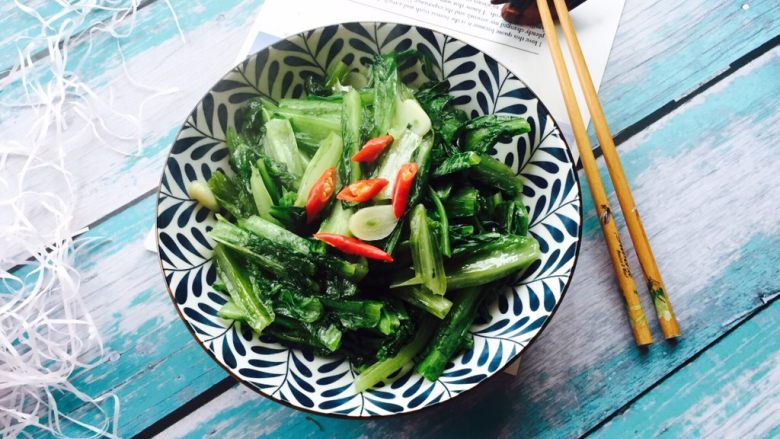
[[472, 17], [150, 242]]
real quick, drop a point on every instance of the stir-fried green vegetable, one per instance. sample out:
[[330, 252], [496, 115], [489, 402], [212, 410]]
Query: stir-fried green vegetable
[[321, 336], [457, 163], [481, 133], [338, 220], [422, 298], [355, 314], [444, 223], [351, 121], [449, 335], [258, 314], [426, 254], [328, 155], [491, 172], [386, 367], [281, 146], [493, 261], [384, 78], [230, 196], [463, 203], [366, 218], [231, 311]]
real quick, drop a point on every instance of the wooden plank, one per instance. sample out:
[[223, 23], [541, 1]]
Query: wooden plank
[[731, 390], [693, 52], [156, 57], [20, 27], [150, 358], [711, 157], [664, 50], [117, 290]]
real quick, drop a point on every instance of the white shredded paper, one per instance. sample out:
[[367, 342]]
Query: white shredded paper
[[47, 334]]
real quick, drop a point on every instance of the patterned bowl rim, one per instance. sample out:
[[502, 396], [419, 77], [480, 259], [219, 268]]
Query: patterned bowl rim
[[419, 409]]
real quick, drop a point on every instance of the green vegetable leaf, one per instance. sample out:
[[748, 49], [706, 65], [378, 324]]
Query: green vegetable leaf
[[483, 132]]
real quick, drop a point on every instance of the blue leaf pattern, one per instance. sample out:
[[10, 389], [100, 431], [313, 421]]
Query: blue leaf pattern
[[480, 85]]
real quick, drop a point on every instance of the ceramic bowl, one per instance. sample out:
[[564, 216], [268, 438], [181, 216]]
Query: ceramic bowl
[[323, 385]]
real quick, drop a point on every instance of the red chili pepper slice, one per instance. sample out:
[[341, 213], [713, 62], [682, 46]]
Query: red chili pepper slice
[[372, 149], [352, 246], [403, 184], [362, 190], [320, 194]]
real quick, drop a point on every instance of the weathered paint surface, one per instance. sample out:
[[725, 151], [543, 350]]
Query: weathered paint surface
[[731, 390], [111, 174], [702, 175]]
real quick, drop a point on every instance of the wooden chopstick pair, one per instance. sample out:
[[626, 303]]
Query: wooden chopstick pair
[[663, 306]]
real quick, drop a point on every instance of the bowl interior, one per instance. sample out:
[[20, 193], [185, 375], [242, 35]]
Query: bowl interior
[[323, 384]]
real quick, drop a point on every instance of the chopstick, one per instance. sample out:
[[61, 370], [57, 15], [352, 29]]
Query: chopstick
[[655, 285], [636, 314]]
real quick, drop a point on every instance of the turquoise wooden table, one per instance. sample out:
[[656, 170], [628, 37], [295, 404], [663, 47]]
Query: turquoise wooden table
[[691, 89]]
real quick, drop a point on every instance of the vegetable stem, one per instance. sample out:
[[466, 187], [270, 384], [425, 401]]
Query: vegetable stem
[[355, 314], [231, 311], [462, 204], [327, 156], [258, 314], [384, 77], [351, 120], [449, 335], [491, 172], [457, 163], [384, 368], [281, 146], [261, 196], [494, 262], [426, 255], [483, 132], [422, 298], [444, 224]]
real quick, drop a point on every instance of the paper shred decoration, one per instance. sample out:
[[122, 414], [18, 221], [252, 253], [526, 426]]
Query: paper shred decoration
[[46, 331]]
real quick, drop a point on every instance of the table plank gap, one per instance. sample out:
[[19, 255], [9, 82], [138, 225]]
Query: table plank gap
[[190, 406], [78, 36], [718, 393], [737, 325], [635, 128]]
